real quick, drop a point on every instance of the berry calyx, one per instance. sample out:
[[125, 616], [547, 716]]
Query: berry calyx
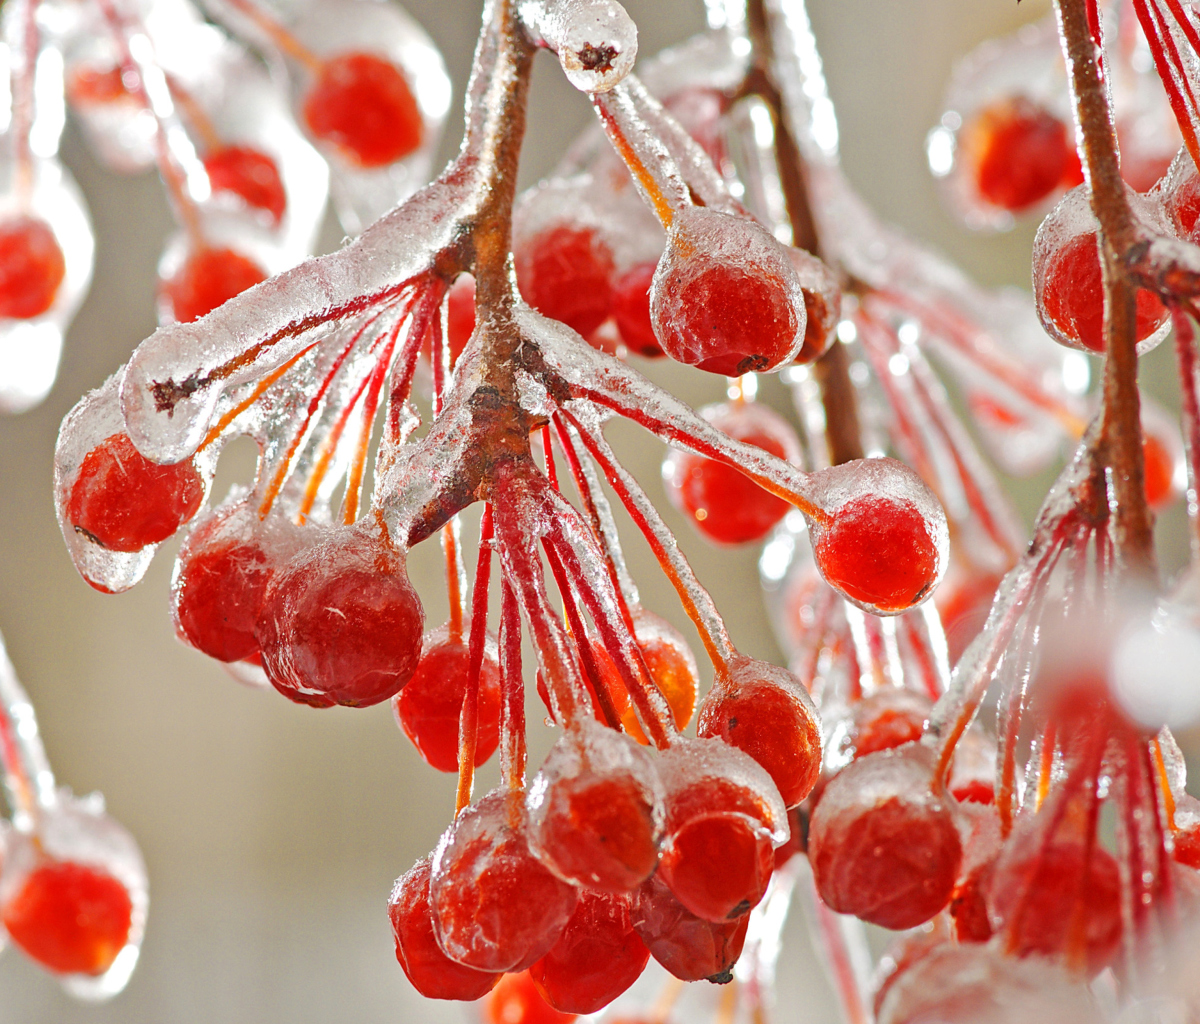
[[516, 1000], [124, 502], [1019, 154], [689, 947], [208, 278], [765, 711], [32, 267], [597, 957], [496, 907], [631, 311], [431, 972], [566, 273], [1072, 297], [249, 173], [428, 707], [595, 810], [879, 551], [726, 297], [72, 918], [340, 623], [362, 105], [882, 843], [723, 503]]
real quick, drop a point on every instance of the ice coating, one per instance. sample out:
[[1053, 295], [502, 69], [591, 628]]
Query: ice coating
[[96, 416], [1066, 275], [595, 809], [711, 261], [334, 27], [595, 40], [483, 864]]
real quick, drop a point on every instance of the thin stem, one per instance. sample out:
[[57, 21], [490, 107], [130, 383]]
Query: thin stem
[[512, 721], [456, 575], [24, 77], [280, 36], [468, 722], [1120, 441]]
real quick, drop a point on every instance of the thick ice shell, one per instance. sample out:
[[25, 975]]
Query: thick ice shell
[[78, 830], [590, 755], [96, 417], [595, 40], [330, 27], [30, 349], [1071, 218]]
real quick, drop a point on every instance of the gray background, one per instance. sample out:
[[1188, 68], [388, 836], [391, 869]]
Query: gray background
[[272, 832]]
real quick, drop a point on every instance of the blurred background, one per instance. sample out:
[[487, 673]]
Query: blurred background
[[273, 832]]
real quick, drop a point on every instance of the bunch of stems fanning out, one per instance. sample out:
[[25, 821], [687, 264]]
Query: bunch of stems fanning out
[[704, 218]]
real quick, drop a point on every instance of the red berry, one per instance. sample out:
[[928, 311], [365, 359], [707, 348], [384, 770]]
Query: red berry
[[209, 278], [595, 810], [1183, 203], [89, 85], [726, 297], [340, 623], [631, 311], [1186, 848], [878, 551], [123, 501], [460, 315], [429, 706], [566, 273], [249, 173], [765, 711], [597, 957], [1072, 295], [672, 667], [496, 907], [1159, 467], [516, 1000], [362, 104], [431, 972], [721, 830], [1042, 884], [886, 719], [31, 267], [1019, 153], [883, 843], [72, 918], [223, 571], [723, 503], [689, 947]]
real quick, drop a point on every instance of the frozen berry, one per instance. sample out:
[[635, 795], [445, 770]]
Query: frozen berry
[[566, 273], [631, 311], [723, 503], [883, 843], [123, 501], [879, 551], [31, 268], [689, 947], [765, 711], [340, 623], [1072, 296], [496, 907], [429, 706], [431, 972], [209, 278], [362, 105], [72, 918], [1019, 153], [597, 957], [249, 173]]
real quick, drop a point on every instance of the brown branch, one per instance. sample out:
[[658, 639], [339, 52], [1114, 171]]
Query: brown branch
[[843, 434], [1120, 441]]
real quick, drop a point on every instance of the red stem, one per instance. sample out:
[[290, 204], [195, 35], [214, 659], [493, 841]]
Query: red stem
[[468, 722], [512, 722]]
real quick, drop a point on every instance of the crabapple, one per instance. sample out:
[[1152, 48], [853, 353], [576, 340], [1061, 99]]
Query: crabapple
[[249, 173], [32, 267], [208, 278]]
